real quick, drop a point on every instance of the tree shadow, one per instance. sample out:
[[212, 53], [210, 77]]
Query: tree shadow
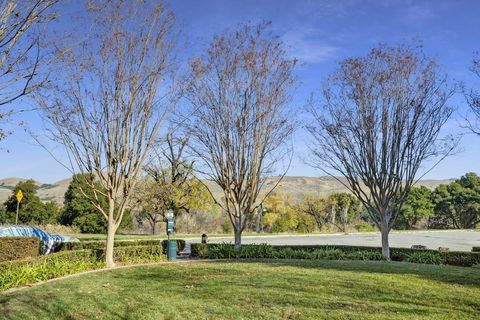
[[465, 276], [44, 305]]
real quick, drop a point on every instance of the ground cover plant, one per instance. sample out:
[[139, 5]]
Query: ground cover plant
[[287, 289], [28, 271]]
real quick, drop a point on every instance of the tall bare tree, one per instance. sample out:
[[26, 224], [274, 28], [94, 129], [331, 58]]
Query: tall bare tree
[[239, 91], [108, 109], [473, 100], [20, 50], [379, 123]]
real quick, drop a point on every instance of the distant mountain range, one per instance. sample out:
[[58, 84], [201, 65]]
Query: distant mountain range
[[297, 187]]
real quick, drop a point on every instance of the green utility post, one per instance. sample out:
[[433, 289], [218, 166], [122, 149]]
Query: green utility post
[[171, 244]]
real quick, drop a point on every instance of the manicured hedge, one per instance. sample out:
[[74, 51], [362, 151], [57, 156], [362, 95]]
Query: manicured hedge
[[135, 254], [14, 248], [180, 245], [101, 244], [337, 252], [125, 243], [476, 249], [22, 272]]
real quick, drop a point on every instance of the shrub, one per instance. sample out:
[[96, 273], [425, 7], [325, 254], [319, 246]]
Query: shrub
[[180, 245], [329, 254], [462, 259], [284, 253], [137, 254], [366, 256], [94, 245], [22, 272], [199, 250], [14, 248], [426, 257], [335, 252], [475, 249], [364, 227], [221, 251], [250, 251]]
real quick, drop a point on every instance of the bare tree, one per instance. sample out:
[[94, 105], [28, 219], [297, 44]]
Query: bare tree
[[108, 109], [20, 50], [380, 122], [239, 91], [473, 100], [170, 183]]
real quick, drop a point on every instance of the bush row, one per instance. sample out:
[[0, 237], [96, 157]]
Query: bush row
[[13, 248], [94, 245], [476, 249], [22, 272], [333, 252]]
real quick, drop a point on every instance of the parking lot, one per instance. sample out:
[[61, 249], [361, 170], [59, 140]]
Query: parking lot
[[461, 240]]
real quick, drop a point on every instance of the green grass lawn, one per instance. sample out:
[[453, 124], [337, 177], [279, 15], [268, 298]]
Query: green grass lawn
[[256, 290]]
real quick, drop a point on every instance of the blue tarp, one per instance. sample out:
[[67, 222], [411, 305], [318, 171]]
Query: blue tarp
[[48, 242]]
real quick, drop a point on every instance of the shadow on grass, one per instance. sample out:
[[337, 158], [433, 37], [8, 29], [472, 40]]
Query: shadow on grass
[[42, 305], [467, 276]]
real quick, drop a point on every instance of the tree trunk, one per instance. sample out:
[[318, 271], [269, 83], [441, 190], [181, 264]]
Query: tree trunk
[[385, 245], [110, 240], [259, 217], [154, 224], [345, 219], [238, 238]]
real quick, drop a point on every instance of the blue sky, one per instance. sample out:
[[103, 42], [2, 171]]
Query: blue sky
[[318, 33]]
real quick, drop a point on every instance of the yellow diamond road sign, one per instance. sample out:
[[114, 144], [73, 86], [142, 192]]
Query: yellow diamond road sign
[[19, 195]]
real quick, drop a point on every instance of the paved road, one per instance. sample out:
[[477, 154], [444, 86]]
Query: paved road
[[462, 240]]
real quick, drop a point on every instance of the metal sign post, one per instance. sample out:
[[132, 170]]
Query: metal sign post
[[19, 196]]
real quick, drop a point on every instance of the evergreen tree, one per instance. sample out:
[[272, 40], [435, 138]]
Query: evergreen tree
[[79, 211], [457, 205], [418, 206]]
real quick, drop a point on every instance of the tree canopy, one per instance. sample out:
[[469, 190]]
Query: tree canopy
[[457, 205], [32, 210]]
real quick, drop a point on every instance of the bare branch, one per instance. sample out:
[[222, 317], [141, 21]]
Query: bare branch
[[380, 121], [240, 92]]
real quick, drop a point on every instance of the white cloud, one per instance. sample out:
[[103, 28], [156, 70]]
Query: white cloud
[[307, 46]]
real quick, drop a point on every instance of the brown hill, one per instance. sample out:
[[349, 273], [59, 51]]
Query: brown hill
[[297, 187]]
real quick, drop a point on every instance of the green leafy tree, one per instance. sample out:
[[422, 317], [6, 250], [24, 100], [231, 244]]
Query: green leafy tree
[[345, 208], [457, 205], [170, 184], [316, 207], [79, 210], [417, 207], [283, 216], [32, 210]]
